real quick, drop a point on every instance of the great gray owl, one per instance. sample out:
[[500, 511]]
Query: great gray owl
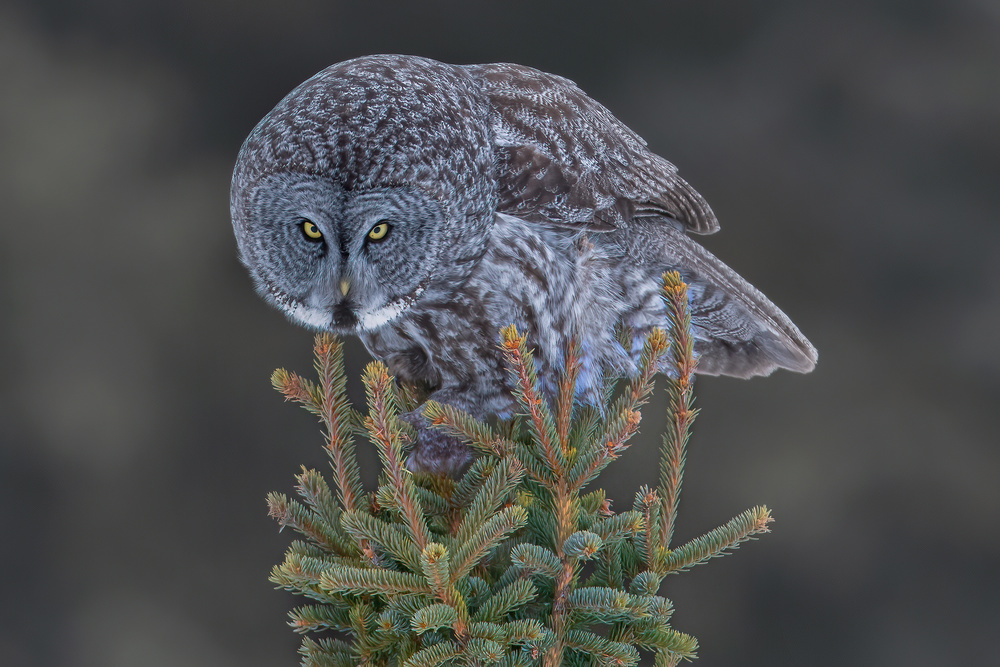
[[423, 206]]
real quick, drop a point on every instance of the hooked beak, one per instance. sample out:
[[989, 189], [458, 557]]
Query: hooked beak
[[345, 286]]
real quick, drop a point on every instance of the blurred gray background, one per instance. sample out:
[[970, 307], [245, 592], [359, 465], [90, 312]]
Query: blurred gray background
[[850, 149]]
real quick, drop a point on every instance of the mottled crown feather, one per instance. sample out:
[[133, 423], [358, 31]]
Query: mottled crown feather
[[479, 138], [380, 121]]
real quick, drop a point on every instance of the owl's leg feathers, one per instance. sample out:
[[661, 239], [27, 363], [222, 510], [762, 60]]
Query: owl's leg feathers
[[433, 451]]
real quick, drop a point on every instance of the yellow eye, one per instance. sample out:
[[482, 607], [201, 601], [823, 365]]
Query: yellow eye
[[378, 232], [311, 231]]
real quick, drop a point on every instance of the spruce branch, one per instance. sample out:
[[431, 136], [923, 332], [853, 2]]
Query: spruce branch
[[337, 414], [434, 617], [507, 599], [390, 538], [680, 382], [566, 395], [327, 653], [525, 631], [386, 432], [328, 400], [605, 650], [435, 562], [717, 542], [489, 535], [648, 546], [608, 605], [305, 521], [522, 370], [296, 388], [466, 428], [625, 416], [494, 492], [668, 658], [618, 527], [435, 655], [536, 559], [464, 490], [662, 639], [313, 617], [354, 580]]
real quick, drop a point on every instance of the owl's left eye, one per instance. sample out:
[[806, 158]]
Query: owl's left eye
[[311, 231], [379, 231]]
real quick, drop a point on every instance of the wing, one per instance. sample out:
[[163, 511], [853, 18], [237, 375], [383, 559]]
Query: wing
[[564, 158]]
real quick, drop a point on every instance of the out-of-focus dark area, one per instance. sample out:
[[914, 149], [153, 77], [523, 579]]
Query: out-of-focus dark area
[[850, 149]]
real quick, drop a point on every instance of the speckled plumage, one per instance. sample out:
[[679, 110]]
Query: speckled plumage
[[510, 197]]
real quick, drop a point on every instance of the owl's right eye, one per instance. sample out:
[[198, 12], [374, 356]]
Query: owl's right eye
[[311, 231]]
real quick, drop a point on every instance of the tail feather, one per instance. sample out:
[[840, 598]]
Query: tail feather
[[738, 331]]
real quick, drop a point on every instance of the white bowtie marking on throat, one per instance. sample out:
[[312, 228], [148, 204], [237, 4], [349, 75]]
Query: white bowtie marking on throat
[[373, 319]]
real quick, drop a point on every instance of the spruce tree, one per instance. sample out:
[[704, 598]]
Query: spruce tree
[[515, 562]]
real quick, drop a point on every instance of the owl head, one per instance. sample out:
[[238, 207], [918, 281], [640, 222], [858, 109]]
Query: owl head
[[368, 185]]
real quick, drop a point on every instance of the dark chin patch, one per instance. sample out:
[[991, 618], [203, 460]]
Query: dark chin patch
[[344, 317]]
